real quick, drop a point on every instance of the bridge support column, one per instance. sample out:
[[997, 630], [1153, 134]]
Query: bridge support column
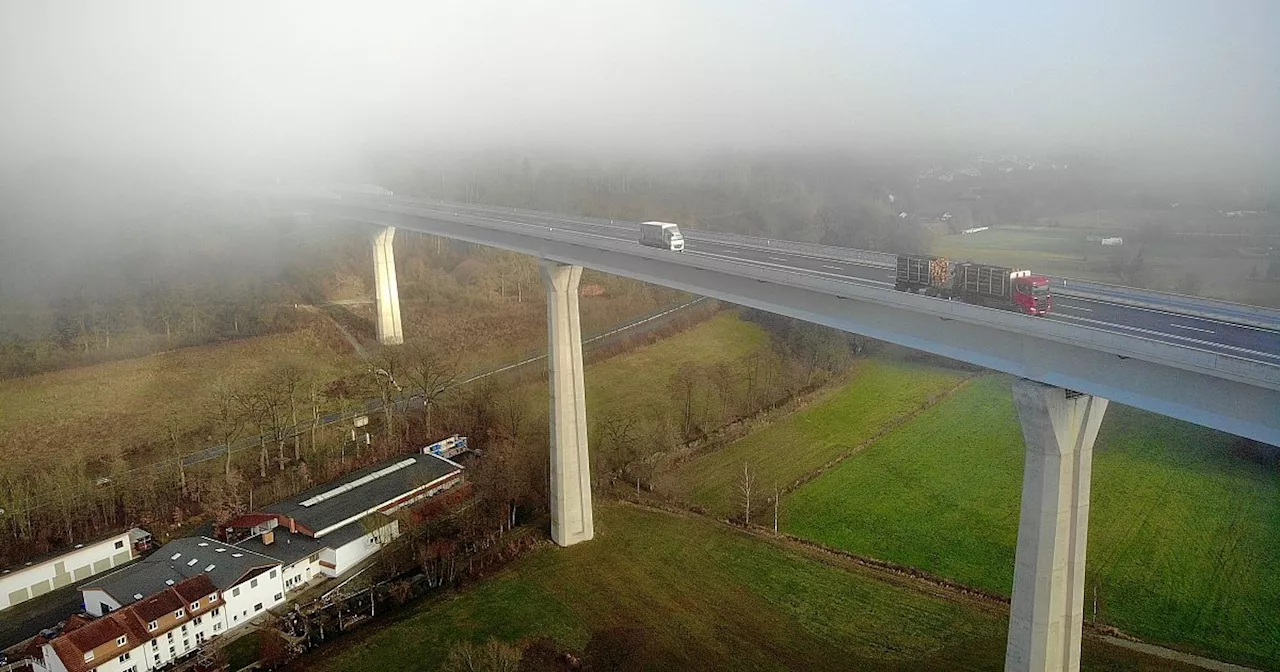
[[1047, 614], [386, 291], [571, 520]]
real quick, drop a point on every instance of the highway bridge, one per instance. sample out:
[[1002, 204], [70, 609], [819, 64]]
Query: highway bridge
[[1207, 362]]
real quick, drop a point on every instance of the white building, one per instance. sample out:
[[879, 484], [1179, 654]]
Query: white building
[[150, 612], [251, 582], [150, 634], [330, 529], [35, 578]]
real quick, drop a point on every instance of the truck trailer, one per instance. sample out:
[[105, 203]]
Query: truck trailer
[[662, 234], [979, 284]]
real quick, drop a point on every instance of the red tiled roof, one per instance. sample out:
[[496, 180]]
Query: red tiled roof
[[152, 608], [250, 520], [195, 588], [81, 636], [71, 648]]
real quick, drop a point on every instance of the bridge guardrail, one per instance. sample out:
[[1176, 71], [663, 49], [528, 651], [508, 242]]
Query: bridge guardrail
[[864, 257], [1255, 316]]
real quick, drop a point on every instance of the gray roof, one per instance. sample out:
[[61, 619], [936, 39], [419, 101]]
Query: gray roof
[[148, 576], [365, 495], [288, 548]]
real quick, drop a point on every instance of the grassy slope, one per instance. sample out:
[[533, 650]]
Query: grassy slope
[[881, 390], [1183, 541], [639, 381], [706, 598], [118, 407]]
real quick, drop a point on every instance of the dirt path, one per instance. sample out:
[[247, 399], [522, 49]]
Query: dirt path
[[360, 350]]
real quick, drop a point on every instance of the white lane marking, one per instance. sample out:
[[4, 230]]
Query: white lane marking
[[1171, 313], [1183, 326], [778, 259], [1066, 307], [1113, 326], [793, 269], [834, 268]]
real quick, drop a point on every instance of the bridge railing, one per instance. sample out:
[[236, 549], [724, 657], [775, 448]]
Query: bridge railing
[[860, 257], [1256, 316]]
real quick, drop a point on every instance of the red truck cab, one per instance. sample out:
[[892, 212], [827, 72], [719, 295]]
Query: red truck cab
[[1031, 294]]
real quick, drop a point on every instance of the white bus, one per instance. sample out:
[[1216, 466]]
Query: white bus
[[662, 234]]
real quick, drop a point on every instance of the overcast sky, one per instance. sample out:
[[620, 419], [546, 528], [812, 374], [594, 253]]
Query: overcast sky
[[254, 80]]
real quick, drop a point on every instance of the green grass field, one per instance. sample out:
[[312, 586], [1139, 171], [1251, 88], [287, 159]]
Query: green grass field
[[1184, 537], [880, 391], [705, 598], [638, 382]]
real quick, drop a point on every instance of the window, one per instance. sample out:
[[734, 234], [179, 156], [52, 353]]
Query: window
[[171, 652], [157, 659], [186, 644], [122, 640], [155, 643], [215, 612], [213, 598], [273, 573], [88, 656], [199, 620], [314, 557], [152, 625], [184, 628], [171, 636], [257, 607], [195, 605], [217, 626], [178, 613], [120, 544], [235, 592], [279, 597], [253, 583], [123, 657]]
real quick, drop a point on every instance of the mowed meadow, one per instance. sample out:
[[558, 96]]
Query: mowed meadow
[[1184, 531], [678, 592]]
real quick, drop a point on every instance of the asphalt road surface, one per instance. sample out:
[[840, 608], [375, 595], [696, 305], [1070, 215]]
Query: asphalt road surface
[[1169, 326]]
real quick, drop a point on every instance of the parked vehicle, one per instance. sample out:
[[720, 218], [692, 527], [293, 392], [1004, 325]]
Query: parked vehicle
[[662, 234], [979, 284]]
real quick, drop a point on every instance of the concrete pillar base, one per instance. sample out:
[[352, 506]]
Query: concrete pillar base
[[1047, 613], [386, 290], [571, 520]]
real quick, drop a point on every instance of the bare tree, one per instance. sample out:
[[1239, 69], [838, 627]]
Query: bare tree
[[171, 428], [432, 374], [745, 488], [383, 378], [684, 385], [227, 416], [776, 502]]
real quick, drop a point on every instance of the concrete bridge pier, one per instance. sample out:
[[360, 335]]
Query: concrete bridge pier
[[1045, 621], [386, 291], [571, 520]]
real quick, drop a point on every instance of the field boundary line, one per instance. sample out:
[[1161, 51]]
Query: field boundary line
[[931, 584], [880, 434]]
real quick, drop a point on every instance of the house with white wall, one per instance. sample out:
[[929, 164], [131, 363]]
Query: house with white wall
[[147, 635], [55, 570]]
